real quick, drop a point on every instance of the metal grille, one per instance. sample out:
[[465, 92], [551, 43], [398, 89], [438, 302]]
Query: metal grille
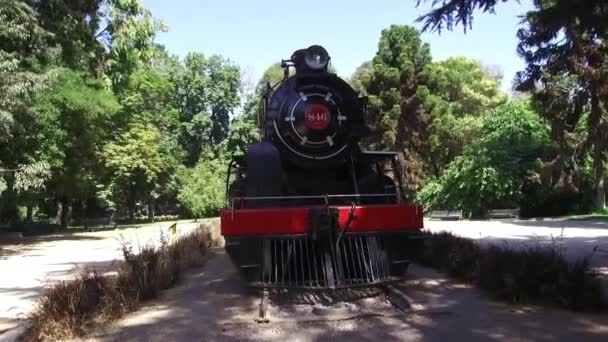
[[353, 259]]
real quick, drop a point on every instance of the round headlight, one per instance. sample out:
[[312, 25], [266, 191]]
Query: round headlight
[[316, 57]]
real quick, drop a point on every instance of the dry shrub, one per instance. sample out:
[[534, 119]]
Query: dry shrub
[[68, 309], [534, 274], [154, 269]]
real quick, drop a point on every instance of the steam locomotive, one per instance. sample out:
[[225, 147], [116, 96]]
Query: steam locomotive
[[307, 207]]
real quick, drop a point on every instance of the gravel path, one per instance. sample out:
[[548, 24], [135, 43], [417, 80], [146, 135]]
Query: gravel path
[[213, 305]]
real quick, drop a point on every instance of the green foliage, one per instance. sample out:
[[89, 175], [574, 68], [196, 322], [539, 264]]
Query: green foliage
[[568, 89], [75, 27], [491, 172], [397, 70], [31, 176], [204, 186], [464, 87], [362, 77], [428, 110], [207, 92], [149, 97], [136, 165], [132, 30], [76, 115], [243, 132], [447, 14]]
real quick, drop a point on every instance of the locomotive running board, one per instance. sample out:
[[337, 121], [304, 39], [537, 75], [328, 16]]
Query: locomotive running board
[[301, 262]]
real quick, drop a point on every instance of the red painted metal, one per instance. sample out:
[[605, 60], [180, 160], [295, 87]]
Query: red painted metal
[[277, 221]]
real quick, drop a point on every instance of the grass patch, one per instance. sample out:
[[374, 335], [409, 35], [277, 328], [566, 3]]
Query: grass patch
[[598, 215], [527, 275], [70, 309]]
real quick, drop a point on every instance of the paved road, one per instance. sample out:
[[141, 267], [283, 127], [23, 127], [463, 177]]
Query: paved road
[[26, 267], [576, 238]]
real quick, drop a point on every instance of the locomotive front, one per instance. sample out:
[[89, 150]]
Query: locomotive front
[[306, 206]]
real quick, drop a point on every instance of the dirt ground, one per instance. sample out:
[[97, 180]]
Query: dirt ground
[[213, 305]]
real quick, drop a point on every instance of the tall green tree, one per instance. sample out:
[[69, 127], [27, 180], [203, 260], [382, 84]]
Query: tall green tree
[[137, 167], [129, 37], [24, 51], [460, 95], [429, 110], [450, 13], [567, 71], [77, 113], [207, 92], [75, 26], [396, 97]]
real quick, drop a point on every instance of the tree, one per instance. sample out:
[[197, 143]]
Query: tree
[[460, 94], [207, 92], [129, 36], [441, 105], [563, 44], [492, 171], [76, 113], [203, 187], [396, 96], [24, 49], [148, 101], [568, 74], [449, 13], [362, 77], [136, 164], [464, 86], [149, 97], [75, 26], [272, 75]]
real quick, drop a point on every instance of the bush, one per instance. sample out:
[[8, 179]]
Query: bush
[[490, 172], [203, 187], [519, 275], [66, 307]]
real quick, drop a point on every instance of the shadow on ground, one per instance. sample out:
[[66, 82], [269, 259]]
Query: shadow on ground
[[213, 305], [32, 243]]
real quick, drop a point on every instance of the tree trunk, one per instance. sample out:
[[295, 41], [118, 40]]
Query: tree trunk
[[600, 190], [30, 212], [131, 203], [151, 211], [598, 139], [8, 201], [66, 212]]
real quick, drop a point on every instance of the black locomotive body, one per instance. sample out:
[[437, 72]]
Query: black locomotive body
[[307, 207]]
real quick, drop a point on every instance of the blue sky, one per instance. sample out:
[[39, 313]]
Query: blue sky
[[254, 34]]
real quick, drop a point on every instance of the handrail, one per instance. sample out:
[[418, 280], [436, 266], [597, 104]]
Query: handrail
[[322, 197], [314, 196]]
